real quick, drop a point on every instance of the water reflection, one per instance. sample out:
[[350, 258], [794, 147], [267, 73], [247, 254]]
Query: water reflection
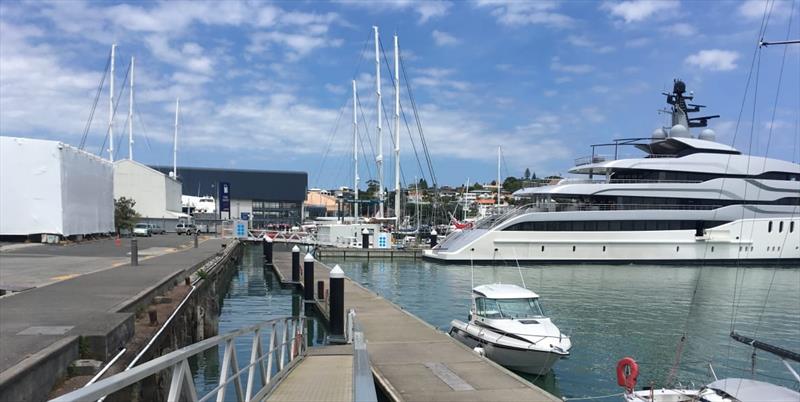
[[254, 295], [617, 311]]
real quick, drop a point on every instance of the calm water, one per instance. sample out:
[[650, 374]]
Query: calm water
[[617, 311], [254, 295]]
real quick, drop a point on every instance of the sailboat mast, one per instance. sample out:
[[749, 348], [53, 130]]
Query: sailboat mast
[[379, 159], [498, 176], [111, 106], [175, 140], [355, 151], [130, 114], [396, 130]]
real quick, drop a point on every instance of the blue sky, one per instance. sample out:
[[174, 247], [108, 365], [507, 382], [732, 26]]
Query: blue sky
[[263, 84]]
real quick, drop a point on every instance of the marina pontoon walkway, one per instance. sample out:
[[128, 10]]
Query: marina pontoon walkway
[[412, 360]]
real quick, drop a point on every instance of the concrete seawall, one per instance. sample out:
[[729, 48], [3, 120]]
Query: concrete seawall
[[90, 316]]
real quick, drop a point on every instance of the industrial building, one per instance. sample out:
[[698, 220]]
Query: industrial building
[[265, 197], [51, 188], [157, 195]]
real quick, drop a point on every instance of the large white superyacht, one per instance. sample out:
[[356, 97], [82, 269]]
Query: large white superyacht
[[686, 199]]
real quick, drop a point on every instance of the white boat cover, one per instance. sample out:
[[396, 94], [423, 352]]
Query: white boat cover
[[754, 391]]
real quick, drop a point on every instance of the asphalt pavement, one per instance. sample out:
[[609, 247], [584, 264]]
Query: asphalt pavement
[[26, 266]]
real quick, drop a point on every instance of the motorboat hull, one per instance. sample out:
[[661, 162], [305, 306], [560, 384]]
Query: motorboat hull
[[522, 360]]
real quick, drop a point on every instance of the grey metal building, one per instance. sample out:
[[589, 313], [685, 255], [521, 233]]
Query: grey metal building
[[268, 197]]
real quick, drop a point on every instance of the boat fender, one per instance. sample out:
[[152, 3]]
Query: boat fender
[[627, 373], [480, 351]]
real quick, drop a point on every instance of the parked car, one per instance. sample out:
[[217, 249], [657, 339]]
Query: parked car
[[142, 229], [156, 229], [185, 228]]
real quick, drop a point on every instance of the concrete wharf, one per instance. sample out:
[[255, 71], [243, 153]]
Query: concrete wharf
[[411, 360], [42, 330]]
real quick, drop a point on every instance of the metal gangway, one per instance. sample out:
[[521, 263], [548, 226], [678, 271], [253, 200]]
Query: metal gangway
[[285, 348], [267, 368]]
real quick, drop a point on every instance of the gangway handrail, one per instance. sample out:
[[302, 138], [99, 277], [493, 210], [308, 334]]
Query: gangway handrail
[[363, 383], [293, 344]]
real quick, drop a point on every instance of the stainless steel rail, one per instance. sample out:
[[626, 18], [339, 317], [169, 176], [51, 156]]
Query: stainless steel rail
[[363, 383], [280, 357]]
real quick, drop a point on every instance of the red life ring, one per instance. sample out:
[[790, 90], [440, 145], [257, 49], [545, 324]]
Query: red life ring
[[627, 372]]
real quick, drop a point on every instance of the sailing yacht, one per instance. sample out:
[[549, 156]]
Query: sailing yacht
[[687, 198]]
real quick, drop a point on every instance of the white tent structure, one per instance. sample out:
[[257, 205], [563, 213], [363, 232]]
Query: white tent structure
[[48, 187], [157, 196]]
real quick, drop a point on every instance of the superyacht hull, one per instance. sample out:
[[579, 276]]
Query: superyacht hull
[[745, 241]]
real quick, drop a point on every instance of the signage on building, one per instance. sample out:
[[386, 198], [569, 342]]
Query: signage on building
[[224, 197], [245, 216]]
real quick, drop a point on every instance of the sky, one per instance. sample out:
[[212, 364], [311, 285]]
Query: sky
[[267, 85]]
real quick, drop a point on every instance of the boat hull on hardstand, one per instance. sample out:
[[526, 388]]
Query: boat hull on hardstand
[[744, 241], [522, 360]]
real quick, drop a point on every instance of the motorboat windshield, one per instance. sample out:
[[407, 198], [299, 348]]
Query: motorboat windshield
[[508, 308]]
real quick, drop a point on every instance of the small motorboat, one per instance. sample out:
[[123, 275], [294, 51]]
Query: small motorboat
[[507, 324]]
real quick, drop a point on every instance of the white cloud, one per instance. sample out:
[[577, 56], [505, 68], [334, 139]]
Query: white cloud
[[680, 29], [593, 114], [298, 45], [190, 56], [755, 9], [585, 42], [639, 10], [520, 13], [557, 65], [713, 60], [335, 89], [426, 10], [637, 42], [444, 38]]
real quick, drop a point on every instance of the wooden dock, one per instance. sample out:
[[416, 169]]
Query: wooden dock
[[367, 253], [412, 360]]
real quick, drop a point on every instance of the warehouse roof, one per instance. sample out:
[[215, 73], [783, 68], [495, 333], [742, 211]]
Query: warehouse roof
[[266, 185]]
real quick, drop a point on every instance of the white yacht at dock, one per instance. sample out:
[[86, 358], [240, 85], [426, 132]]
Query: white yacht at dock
[[687, 199]]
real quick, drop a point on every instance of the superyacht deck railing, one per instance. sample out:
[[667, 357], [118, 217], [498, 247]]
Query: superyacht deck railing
[[494, 221], [287, 346]]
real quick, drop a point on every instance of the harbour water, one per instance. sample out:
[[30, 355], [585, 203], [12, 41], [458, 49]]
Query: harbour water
[[254, 295], [617, 311]]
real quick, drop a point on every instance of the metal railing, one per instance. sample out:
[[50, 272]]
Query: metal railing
[[363, 383], [627, 181], [569, 207], [598, 158], [287, 346]]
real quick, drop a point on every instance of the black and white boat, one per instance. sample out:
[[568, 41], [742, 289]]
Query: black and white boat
[[507, 325]]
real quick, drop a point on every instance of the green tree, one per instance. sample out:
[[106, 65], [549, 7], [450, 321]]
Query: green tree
[[423, 184], [512, 184], [527, 174], [124, 214]]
